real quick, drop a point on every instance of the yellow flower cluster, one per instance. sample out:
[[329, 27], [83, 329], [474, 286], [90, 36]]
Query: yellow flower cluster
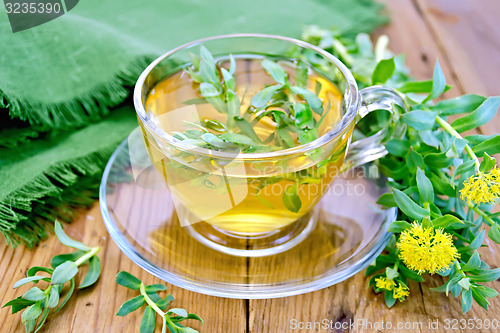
[[482, 187], [384, 283], [426, 249], [400, 291]]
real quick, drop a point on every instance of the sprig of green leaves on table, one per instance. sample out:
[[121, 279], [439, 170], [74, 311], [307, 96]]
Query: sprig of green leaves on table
[[428, 168], [38, 302], [149, 297]]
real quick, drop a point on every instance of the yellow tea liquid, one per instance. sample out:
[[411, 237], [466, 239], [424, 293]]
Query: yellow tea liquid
[[246, 198]]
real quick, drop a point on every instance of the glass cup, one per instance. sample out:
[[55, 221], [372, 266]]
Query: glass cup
[[260, 203]]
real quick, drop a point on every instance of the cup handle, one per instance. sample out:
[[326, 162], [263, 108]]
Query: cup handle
[[371, 148]]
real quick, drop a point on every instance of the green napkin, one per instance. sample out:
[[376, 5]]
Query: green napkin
[[69, 73]]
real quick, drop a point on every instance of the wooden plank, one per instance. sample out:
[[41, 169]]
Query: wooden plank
[[94, 309], [467, 32]]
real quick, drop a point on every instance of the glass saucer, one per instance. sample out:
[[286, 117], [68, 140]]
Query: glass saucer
[[350, 232]]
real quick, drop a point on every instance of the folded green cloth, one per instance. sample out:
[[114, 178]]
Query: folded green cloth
[[68, 73]]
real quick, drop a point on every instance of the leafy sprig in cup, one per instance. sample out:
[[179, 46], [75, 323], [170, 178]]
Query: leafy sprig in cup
[[249, 131]]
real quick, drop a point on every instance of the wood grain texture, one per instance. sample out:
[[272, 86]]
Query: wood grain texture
[[465, 36]]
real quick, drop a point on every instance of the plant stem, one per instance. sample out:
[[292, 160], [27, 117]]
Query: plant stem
[[459, 268], [150, 301], [93, 251], [448, 128], [164, 315], [463, 239], [342, 51], [396, 265], [488, 219]]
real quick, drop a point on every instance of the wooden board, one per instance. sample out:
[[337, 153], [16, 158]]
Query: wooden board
[[465, 36]]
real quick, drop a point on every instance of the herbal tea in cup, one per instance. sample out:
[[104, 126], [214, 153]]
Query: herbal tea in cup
[[248, 132]]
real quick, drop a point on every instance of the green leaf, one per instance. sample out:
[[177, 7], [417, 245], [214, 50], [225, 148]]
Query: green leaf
[[32, 312], [232, 64], [490, 146], [448, 221], [35, 269], [473, 263], [154, 296], [312, 100], [261, 98], [486, 276], [131, 305], [399, 226], [457, 105], [30, 279], [195, 317], [215, 141], [494, 233], [303, 116], [415, 161], [276, 71], [387, 200], [419, 87], [425, 188], [302, 74], [438, 160], [128, 280], [410, 274], [438, 83], [487, 163], [398, 147], [308, 135], [43, 318], [155, 287], [291, 198], [486, 291], [17, 304], [64, 272], [63, 238], [408, 206], [164, 303], [208, 90], [429, 138], [420, 120], [384, 70], [239, 139], [34, 294], [205, 54], [53, 298], [29, 326], [246, 128], [62, 258], [479, 298], [228, 82], [93, 273], [478, 240], [68, 295], [179, 312], [466, 300], [464, 168], [208, 72], [148, 322], [389, 299], [483, 114], [391, 273]]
